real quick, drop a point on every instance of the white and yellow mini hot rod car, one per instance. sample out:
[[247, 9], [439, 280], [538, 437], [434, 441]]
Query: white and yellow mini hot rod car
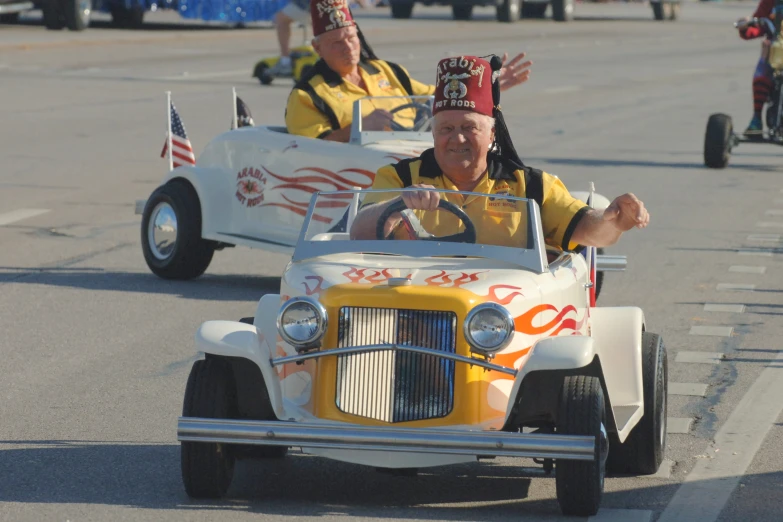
[[427, 352]]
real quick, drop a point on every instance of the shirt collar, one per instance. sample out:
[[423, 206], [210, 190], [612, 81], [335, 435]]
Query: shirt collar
[[333, 79], [497, 167]]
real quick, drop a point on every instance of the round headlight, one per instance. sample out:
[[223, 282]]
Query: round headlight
[[301, 321], [488, 328]]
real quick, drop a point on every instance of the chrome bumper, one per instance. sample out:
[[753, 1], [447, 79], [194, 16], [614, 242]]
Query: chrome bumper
[[424, 440]]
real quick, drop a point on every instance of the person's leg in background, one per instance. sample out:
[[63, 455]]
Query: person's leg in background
[[762, 86], [294, 11]]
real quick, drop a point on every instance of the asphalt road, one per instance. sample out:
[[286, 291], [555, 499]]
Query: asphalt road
[[96, 350]]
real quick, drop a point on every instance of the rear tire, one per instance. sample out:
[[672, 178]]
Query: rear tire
[[208, 468], [643, 451], [537, 10], [53, 15], [77, 14], [401, 10], [657, 9], [9, 18], [462, 11], [509, 11], [582, 411], [189, 255], [563, 10], [717, 141]]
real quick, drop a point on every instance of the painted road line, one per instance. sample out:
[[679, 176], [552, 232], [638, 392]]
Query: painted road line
[[678, 425], [733, 287], [560, 90], [764, 237], [763, 253], [731, 308], [699, 357], [198, 76], [621, 515], [708, 487], [742, 269], [687, 388], [717, 331], [774, 212], [769, 224], [19, 215]]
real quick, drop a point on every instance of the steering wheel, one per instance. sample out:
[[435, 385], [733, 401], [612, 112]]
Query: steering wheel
[[423, 111], [467, 236]]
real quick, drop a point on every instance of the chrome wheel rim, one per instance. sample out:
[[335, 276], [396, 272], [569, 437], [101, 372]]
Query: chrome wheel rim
[[162, 231], [84, 8]]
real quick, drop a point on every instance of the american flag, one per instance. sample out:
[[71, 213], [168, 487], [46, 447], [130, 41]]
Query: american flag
[[182, 152]]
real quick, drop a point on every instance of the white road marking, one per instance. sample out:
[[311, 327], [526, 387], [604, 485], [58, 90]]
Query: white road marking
[[734, 286], [717, 331], [778, 201], [774, 212], [732, 308], [563, 89], [762, 253], [622, 515], [19, 215], [769, 224], [198, 76], [709, 485], [678, 425], [687, 388], [748, 269], [699, 357], [764, 237]]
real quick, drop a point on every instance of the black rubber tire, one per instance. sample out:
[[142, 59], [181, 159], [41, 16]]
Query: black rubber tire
[[53, 16], [562, 10], [657, 9], [401, 10], [75, 19], [9, 18], [208, 468], [192, 254], [717, 141], [537, 10], [462, 11], [644, 449], [509, 11], [132, 18], [581, 411]]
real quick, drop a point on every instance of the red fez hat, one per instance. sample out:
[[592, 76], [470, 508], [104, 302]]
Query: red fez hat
[[328, 15], [464, 83]]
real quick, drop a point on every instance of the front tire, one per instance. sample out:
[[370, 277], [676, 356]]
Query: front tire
[[171, 233], [563, 10], [77, 14], [717, 141], [643, 450], [401, 10], [582, 411], [53, 15], [208, 468], [462, 11], [509, 11]]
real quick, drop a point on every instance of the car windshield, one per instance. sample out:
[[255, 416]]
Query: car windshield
[[463, 224], [412, 118]]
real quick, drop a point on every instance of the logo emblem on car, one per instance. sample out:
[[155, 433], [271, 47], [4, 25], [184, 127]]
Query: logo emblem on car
[[250, 187]]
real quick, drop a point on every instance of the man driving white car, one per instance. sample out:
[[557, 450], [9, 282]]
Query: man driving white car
[[321, 103], [473, 152]]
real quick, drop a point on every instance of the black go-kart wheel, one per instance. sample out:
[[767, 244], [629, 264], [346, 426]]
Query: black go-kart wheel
[[718, 141], [643, 450]]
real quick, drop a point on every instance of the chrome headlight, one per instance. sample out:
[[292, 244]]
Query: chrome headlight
[[488, 328], [302, 322]]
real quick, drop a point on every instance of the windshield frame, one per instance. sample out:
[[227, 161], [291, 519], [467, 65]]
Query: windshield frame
[[362, 137], [534, 258]]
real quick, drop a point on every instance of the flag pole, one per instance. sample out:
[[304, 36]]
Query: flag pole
[[168, 129], [234, 90]]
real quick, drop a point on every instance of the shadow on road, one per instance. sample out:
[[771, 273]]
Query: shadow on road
[[209, 287]]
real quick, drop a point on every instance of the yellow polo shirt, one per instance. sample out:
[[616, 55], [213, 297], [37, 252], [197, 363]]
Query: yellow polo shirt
[[303, 118], [497, 222]]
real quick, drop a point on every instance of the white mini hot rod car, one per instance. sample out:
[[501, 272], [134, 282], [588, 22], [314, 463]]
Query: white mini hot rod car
[[429, 352], [251, 187]]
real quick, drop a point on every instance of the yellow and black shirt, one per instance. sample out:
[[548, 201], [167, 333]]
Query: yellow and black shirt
[[322, 102], [498, 222]]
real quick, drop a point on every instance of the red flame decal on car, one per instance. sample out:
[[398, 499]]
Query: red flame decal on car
[[444, 278], [316, 288], [356, 275], [493, 296]]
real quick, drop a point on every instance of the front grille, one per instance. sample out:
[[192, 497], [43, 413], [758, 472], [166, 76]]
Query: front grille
[[396, 386]]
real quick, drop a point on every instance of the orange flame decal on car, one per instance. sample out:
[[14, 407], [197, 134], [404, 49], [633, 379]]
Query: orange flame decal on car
[[444, 278], [493, 296], [524, 323], [317, 288], [369, 275]]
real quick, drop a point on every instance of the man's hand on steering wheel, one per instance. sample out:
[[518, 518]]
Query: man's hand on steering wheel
[[377, 120], [421, 199]]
